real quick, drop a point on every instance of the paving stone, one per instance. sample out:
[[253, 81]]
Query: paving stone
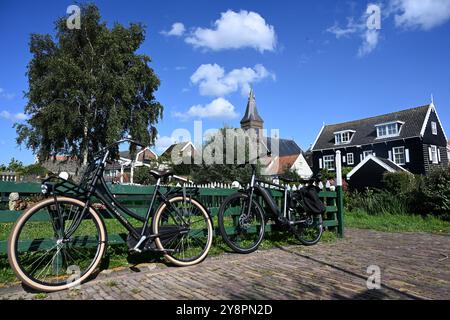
[[411, 268]]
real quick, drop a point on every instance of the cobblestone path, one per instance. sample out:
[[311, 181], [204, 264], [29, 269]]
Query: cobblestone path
[[412, 265]]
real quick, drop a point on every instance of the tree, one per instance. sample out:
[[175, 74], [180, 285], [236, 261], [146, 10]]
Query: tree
[[226, 173], [88, 88], [15, 165]]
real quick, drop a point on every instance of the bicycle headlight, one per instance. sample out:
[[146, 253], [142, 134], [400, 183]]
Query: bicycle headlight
[[44, 189]]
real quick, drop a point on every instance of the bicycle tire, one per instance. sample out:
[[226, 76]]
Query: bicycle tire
[[223, 229], [15, 261]]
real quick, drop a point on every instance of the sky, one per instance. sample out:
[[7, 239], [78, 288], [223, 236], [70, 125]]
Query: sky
[[309, 62]]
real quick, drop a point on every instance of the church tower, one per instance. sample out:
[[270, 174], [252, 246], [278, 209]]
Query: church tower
[[251, 119]]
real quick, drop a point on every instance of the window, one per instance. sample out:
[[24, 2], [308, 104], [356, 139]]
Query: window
[[350, 158], [434, 128], [343, 137], [367, 153], [328, 162], [399, 156], [391, 129], [434, 154]]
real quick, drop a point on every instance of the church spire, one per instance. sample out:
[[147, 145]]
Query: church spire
[[251, 119]]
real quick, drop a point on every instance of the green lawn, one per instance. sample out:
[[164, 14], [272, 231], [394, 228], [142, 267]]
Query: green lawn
[[396, 223]]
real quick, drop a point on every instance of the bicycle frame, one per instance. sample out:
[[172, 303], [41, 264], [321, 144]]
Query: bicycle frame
[[99, 189], [256, 187]]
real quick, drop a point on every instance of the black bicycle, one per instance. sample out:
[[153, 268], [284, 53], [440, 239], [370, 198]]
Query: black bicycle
[[242, 218], [59, 242]]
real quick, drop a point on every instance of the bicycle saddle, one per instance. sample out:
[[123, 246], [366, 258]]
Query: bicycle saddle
[[161, 174]]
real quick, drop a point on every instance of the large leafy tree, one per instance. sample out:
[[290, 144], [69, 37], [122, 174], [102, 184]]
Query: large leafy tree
[[88, 88]]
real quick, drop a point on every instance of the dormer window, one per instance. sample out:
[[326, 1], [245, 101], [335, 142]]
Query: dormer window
[[390, 129], [343, 137]]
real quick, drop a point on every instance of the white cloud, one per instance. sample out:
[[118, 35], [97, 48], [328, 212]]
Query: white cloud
[[220, 108], [422, 14], [162, 143], [339, 32], [5, 114], [370, 42], [13, 117], [370, 37], [235, 30], [177, 30], [6, 95], [214, 81]]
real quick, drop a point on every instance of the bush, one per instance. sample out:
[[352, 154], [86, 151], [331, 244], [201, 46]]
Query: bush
[[376, 202], [437, 192], [399, 182], [404, 193], [142, 176]]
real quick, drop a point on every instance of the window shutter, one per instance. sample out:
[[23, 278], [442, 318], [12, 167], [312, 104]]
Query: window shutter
[[430, 154], [320, 163], [407, 155], [390, 155], [438, 154]]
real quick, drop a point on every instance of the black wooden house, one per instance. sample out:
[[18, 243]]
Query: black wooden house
[[412, 139]]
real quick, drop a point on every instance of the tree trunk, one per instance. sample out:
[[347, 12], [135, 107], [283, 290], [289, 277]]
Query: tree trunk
[[85, 143]]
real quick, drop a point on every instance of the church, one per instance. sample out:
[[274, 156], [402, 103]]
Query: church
[[289, 155]]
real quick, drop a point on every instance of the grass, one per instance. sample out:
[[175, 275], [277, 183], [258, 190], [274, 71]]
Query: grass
[[396, 222], [40, 296]]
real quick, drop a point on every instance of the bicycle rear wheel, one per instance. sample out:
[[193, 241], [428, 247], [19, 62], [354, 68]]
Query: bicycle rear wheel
[[185, 231], [53, 247], [242, 232]]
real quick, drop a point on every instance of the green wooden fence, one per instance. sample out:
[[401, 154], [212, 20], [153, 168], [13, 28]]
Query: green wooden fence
[[138, 198]]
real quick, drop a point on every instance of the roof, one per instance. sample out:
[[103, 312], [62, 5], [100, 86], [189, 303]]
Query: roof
[[283, 163], [366, 131], [387, 164], [145, 154], [286, 147], [180, 146], [251, 113]]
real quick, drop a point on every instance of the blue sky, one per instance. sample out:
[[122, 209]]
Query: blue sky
[[309, 62]]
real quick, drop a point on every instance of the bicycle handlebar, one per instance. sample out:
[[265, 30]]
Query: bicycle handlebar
[[107, 148]]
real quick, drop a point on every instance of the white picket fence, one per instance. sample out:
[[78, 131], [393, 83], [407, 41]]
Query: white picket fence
[[9, 177], [329, 185]]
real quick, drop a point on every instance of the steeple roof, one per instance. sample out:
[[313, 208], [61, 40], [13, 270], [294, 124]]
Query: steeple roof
[[251, 114]]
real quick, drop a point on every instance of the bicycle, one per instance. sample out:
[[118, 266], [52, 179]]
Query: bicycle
[[59, 242], [242, 219]]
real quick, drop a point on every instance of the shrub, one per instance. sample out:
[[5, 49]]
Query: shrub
[[376, 202], [399, 182], [406, 193], [142, 176], [437, 192]]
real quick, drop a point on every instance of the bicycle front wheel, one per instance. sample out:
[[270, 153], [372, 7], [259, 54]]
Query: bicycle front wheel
[[56, 245], [310, 230], [185, 231], [242, 230]]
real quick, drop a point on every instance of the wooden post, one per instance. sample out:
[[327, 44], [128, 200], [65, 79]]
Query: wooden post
[[339, 194]]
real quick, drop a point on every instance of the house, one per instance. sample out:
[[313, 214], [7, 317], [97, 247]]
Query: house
[[448, 152], [412, 139], [122, 170], [369, 172], [61, 163], [288, 156], [182, 152]]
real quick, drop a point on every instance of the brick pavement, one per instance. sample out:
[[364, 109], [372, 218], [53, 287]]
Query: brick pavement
[[413, 266]]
